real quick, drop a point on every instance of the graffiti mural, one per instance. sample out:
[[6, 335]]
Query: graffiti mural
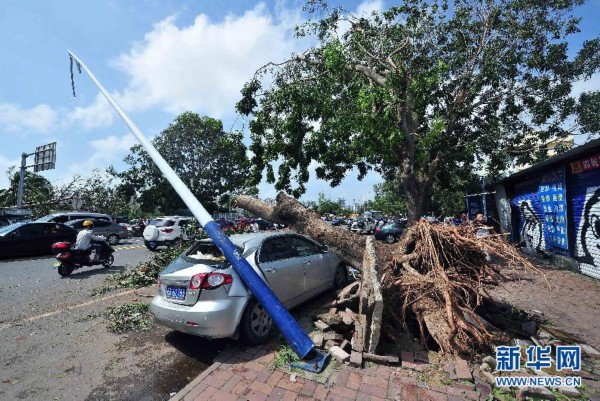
[[588, 241], [532, 231]]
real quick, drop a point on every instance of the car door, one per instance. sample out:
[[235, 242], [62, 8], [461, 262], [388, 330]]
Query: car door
[[317, 274], [27, 239], [282, 268], [101, 227]]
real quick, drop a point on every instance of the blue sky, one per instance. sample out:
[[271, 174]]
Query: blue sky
[[158, 58]]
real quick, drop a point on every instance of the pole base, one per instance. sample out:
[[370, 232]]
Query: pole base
[[314, 361]]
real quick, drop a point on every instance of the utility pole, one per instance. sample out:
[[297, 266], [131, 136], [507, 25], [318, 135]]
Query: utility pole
[[22, 179]]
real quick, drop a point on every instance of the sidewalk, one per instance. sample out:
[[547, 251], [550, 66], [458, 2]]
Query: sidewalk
[[248, 374]]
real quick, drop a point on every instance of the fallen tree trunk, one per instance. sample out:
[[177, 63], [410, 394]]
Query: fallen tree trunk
[[432, 280], [291, 213]]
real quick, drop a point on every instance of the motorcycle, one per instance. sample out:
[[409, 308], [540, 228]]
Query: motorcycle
[[137, 230], [69, 259]]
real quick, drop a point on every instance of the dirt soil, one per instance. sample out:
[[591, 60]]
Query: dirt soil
[[570, 302]]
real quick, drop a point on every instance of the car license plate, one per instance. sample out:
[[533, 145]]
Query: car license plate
[[176, 293]]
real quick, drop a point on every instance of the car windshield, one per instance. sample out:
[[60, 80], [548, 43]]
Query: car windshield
[[6, 229], [391, 225], [161, 223]]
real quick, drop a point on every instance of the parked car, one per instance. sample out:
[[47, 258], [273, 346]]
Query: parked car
[[112, 231], [363, 225], [33, 238], [201, 294], [167, 230], [338, 222], [63, 217], [390, 232]]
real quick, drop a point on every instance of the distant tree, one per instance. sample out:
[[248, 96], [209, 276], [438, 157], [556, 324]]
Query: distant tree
[[389, 198], [425, 85], [325, 205], [209, 160], [98, 192], [37, 191]]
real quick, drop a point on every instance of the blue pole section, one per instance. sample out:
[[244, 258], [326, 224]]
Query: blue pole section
[[298, 340]]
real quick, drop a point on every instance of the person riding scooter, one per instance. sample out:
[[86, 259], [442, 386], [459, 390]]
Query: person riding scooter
[[85, 238]]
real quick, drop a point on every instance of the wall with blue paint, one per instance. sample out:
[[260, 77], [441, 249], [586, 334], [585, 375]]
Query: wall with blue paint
[[540, 225]]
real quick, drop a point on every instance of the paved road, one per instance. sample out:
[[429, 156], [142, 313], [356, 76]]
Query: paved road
[[56, 345]]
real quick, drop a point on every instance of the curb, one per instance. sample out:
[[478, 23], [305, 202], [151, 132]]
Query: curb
[[223, 356]]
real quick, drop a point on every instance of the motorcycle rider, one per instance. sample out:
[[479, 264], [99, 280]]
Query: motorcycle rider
[[85, 238]]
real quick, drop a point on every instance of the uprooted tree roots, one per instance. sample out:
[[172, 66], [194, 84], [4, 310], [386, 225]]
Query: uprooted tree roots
[[435, 276], [438, 277]]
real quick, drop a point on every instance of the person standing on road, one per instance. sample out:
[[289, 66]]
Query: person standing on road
[[85, 238]]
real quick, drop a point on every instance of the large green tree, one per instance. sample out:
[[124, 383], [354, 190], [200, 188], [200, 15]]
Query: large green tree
[[422, 87], [210, 161]]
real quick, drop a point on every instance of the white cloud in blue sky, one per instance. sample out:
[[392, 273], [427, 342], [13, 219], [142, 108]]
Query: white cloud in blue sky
[[158, 58]]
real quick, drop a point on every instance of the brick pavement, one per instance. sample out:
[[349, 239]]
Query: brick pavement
[[248, 374]]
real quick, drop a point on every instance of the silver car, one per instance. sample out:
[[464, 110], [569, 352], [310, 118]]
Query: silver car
[[201, 294]]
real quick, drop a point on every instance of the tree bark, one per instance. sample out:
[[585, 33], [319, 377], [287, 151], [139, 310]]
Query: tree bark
[[291, 213], [416, 197]]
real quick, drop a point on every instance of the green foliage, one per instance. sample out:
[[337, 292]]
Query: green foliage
[[285, 356], [38, 192], [143, 274], [129, 317], [208, 160], [325, 205], [420, 88]]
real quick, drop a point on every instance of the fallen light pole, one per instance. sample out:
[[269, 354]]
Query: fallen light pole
[[311, 358]]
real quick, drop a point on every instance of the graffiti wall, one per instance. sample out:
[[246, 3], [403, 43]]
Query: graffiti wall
[[531, 215], [542, 211], [584, 195]]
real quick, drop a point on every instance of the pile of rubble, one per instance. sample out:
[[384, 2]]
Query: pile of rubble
[[350, 330]]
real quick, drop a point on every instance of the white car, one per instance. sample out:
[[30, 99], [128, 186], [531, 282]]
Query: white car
[[167, 230]]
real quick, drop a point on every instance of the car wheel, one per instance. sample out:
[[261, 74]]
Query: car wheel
[[256, 325], [113, 239], [150, 246], [340, 277], [108, 261], [177, 243], [390, 239], [65, 271]]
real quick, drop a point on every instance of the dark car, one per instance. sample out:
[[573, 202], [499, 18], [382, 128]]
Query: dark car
[[112, 231], [33, 238], [390, 232], [338, 222]]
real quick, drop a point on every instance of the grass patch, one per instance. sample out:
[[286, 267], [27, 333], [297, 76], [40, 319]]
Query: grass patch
[[285, 356], [129, 317]]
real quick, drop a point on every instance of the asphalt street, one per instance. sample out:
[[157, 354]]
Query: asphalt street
[[56, 344]]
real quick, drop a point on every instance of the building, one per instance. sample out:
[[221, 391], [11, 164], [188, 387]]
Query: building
[[553, 208]]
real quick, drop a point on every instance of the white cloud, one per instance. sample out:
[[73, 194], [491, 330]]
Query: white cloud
[[365, 8], [110, 149], [15, 119], [98, 114], [203, 66], [4, 165]]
